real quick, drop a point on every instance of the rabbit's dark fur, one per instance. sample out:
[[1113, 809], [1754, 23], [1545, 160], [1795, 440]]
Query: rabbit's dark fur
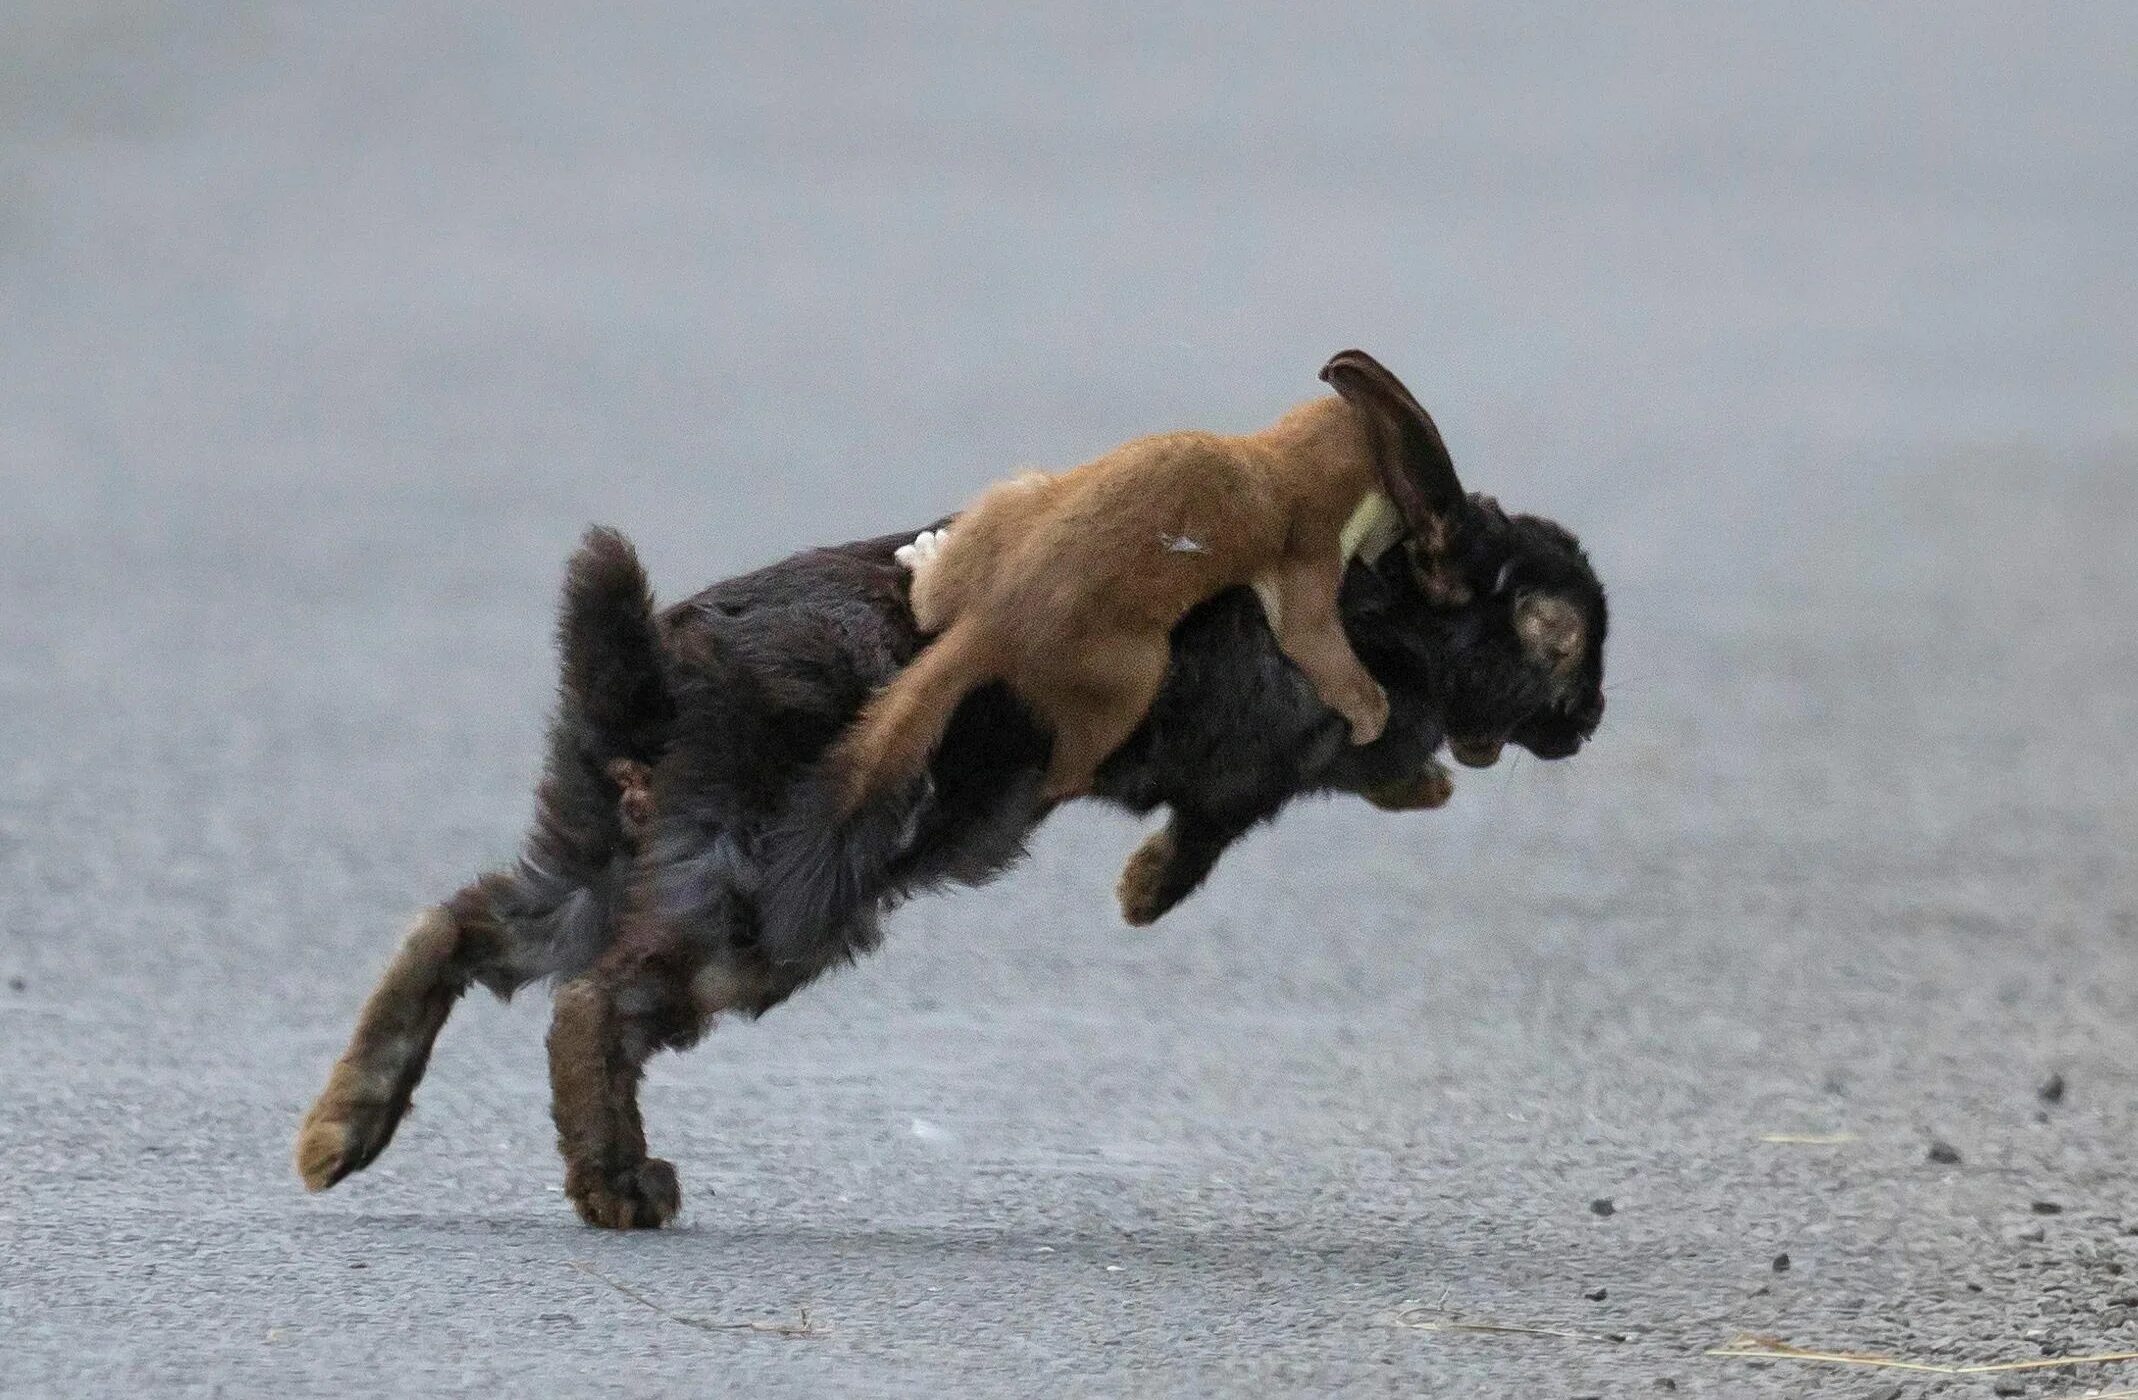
[[732, 697]]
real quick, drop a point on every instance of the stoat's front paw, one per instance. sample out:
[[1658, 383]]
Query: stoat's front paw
[[921, 553]]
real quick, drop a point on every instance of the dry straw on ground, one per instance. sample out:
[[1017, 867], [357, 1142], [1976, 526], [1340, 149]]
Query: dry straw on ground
[[1771, 1349]]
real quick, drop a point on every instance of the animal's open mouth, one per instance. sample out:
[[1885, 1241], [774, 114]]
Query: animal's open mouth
[[1475, 753]]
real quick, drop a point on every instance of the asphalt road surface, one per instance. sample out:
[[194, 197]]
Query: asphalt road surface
[[324, 330]]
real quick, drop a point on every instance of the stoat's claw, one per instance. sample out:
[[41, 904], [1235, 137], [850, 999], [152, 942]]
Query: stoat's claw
[[926, 545]]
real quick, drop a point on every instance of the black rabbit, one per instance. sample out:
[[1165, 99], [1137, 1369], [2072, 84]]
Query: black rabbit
[[644, 896]]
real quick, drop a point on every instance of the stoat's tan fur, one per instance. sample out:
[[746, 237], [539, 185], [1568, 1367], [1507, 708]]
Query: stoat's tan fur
[[1067, 586]]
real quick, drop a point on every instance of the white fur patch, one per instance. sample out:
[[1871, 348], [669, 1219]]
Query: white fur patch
[[921, 553], [1180, 544]]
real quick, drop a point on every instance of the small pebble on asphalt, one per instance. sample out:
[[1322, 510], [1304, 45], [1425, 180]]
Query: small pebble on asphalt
[[1781, 1263], [1602, 1205], [1597, 1295], [1944, 1152], [16, 984], [2047, 1208], [2052, 1089]]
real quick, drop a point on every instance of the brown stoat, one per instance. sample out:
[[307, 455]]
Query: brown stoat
[[1067, 586]]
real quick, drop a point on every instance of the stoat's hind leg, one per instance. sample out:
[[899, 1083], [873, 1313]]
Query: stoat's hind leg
[[934, 595], [956, 568]]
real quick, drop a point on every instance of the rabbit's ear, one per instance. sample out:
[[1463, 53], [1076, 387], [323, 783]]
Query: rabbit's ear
[[1413, 461], [1414, 469]]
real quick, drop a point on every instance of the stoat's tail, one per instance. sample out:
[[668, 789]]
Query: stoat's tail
[[829, 856]]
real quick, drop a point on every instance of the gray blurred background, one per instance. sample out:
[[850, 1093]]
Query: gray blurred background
[[325, 329]]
